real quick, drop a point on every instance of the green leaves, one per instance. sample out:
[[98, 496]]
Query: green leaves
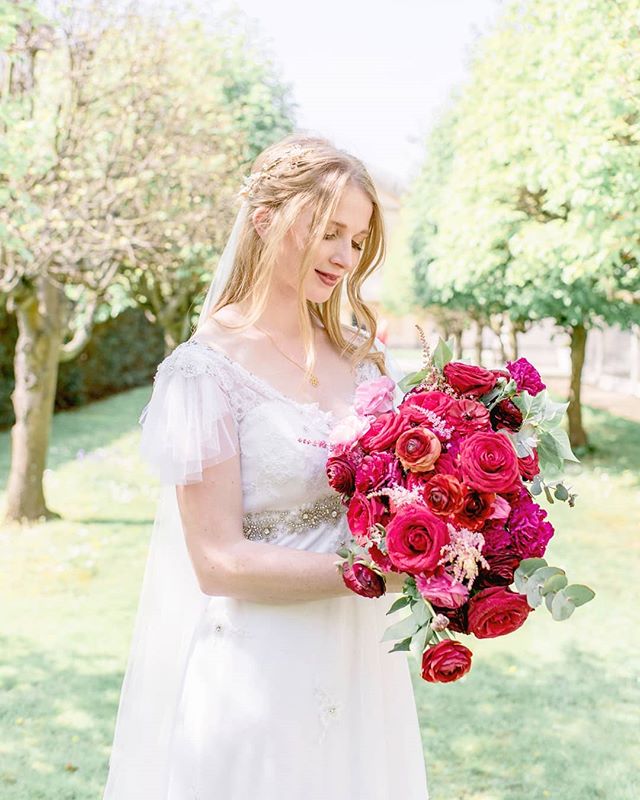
[[443, 353], [539, 582]]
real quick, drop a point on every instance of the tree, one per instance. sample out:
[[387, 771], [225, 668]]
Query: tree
[[537, 216]]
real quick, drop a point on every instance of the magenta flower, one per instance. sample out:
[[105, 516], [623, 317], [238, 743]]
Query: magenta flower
[[526, 376]]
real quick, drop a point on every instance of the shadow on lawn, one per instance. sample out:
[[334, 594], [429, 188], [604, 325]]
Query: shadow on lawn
[[517, 729], [57, 722]]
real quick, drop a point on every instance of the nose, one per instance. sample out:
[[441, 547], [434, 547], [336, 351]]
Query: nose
[[343, 254]]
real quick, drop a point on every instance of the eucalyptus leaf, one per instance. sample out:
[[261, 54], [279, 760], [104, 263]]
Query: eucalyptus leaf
[[520, 580], [529, 565], [548, 600], [400, 630], [561, 492], [534, 598], [578, 593], [405, 644], [562, 607], [554, 583]]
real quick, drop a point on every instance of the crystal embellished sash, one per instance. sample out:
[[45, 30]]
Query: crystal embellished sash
[[265, 525]]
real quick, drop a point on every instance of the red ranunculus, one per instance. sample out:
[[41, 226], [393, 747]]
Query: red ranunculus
[[418, 449], [383, 432], [360, 517], [475, 509], [496, 611], [362, 580], [468, 379], [506, 414], [443, 495], [529, 466], [489, 463], [446, 661], [340, 473], [415, 537], [468, 416]]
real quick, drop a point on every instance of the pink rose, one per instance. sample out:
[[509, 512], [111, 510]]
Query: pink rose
[[374, 471], [347, 431], [415, 537], [442, 590], [374, 397], [383, 432], [489, 463], [362, 513]]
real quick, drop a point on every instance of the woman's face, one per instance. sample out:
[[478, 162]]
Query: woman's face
[[336, 255]]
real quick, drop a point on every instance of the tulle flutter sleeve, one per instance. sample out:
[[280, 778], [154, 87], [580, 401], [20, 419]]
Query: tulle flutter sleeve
[[188, 424]]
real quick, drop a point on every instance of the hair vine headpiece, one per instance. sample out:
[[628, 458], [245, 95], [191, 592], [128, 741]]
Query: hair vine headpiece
[[290, 159]]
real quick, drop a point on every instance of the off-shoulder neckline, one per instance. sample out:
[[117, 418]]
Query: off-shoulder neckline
[[270, 388]]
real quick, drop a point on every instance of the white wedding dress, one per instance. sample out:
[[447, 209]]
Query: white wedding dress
[[288, 701]]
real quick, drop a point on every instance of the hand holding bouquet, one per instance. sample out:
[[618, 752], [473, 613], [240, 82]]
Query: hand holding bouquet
[[441, 491]]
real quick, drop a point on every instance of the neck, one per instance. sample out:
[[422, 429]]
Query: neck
[[280, 315]]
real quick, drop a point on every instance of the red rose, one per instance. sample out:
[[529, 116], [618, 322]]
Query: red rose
[[468, 416], [529, 466], [446, 661], [383, 431], [468, 379], [340, 474], [443, 494], [506, 414], [489, 463], [418, 449], [359, 517], [496, 611], [362, 580], [415, 537]]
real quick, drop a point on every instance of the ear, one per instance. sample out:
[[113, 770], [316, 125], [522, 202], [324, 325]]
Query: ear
[[260, 219]]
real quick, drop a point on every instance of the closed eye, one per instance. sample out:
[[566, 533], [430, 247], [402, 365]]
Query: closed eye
[[355, 245]]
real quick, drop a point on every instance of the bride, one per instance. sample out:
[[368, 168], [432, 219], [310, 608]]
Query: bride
[[254, 673]]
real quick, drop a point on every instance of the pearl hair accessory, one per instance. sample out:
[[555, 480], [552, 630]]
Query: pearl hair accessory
[[291, 159]]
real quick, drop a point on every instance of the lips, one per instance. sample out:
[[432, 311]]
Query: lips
[[328, 278]]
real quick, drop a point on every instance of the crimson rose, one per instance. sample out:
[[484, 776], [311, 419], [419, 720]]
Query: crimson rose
[[469, 379], [415, 537], [340, 474], [496, 611], [488, 462], [446, 661]]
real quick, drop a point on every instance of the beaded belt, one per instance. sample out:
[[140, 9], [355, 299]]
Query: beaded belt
[[266, 524]]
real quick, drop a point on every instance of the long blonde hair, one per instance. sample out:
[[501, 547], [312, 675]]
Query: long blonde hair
[[315, 181]]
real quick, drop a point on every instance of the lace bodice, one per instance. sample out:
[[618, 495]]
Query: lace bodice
[[279, 471]]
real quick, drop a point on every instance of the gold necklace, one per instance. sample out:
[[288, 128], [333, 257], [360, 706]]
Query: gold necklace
[[313, 380]]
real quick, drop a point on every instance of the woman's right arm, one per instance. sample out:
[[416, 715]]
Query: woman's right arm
[[227, 563]]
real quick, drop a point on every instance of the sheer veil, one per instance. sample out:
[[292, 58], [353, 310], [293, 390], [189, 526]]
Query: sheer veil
[[169, 609]]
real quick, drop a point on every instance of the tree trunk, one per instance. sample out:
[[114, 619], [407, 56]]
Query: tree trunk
[[478, 343], [577, 434], [36, 374], [457, 348]]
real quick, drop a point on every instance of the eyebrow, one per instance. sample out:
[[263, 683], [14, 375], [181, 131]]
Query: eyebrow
[[342, 225]]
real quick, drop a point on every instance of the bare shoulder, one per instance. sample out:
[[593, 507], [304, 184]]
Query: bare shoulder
[[216, 333]]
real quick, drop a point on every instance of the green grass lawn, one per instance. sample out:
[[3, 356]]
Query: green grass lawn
[[549, 712]]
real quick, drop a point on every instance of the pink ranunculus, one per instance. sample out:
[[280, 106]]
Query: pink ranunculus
[[488, 462], [383, 432], [432, 400], [442, 590], [468, 379], [360, 517], [362, 580], [526, 376], [374, 397], [415, 537], [445, 661], [348, 431]]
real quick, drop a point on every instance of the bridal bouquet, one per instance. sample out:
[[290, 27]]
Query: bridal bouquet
[[442, 490]]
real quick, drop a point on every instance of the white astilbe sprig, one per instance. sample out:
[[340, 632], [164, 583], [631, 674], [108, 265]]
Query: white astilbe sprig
[[464, 554], [399, 496], [435, 421]]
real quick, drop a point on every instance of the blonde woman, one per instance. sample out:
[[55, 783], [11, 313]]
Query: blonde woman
[[254, 673]]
